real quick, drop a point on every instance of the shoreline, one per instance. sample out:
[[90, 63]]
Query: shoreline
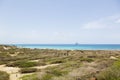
[[23, 47]]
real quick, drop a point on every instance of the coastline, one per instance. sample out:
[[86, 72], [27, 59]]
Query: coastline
[[70, 46]]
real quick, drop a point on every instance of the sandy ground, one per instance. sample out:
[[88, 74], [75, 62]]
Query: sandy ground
[[14, 71], [43, 67]]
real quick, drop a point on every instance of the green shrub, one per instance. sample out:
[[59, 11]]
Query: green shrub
[[56, 61], [41, 63], [112, 73], [28, 70], [47, 77], [22, 64], [86, 59], [55, 72], [30, 77], [1, 62], [4, 75]]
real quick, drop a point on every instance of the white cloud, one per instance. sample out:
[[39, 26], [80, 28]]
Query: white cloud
[[93, 25], [102, 31], [104, 23]]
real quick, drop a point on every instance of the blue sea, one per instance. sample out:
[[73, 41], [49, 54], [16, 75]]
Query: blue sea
[[72, 46]]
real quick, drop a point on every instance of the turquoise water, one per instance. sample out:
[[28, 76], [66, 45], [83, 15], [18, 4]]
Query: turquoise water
[[72, 46]]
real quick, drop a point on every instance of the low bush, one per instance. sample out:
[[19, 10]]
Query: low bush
[[47, 77], [30, 77], [1, 62], [4, 75], [41, 63], [22, 64], [28, 70], [55, 72], [112, 73], [56, 61], [86, 59], [38, 76]]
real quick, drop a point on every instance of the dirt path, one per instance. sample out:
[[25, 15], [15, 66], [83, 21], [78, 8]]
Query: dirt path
[[14, 71], [43, 67]]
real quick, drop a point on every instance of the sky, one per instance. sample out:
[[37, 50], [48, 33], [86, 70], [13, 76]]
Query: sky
[[59, 21]]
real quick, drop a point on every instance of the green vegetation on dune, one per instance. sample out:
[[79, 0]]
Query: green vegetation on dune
[[28, 70], [112, 73], [22, 64], [30, 77], [73, 64], [4, 76], [86, 59], [46, 75]]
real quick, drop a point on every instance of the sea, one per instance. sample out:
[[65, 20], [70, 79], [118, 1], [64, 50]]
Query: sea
[[71, 46]]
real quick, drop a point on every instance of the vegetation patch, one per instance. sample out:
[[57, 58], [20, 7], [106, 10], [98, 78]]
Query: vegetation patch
[[56, 72], [47, 77], [112, 73], [30, 77], [22, 64], [56, 62], [86, 59], [74, 64], [28, 70], [4, 75]]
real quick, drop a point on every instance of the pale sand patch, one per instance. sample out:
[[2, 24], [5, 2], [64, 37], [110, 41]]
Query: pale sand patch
[[34, 61], [15, 54], [114, 58], [14, 71], [42, 67]]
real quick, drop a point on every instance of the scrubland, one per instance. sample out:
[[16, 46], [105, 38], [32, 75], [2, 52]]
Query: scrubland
[[49, 64]]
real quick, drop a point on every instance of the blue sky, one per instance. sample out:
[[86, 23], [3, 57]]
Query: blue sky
[[60, 21]]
